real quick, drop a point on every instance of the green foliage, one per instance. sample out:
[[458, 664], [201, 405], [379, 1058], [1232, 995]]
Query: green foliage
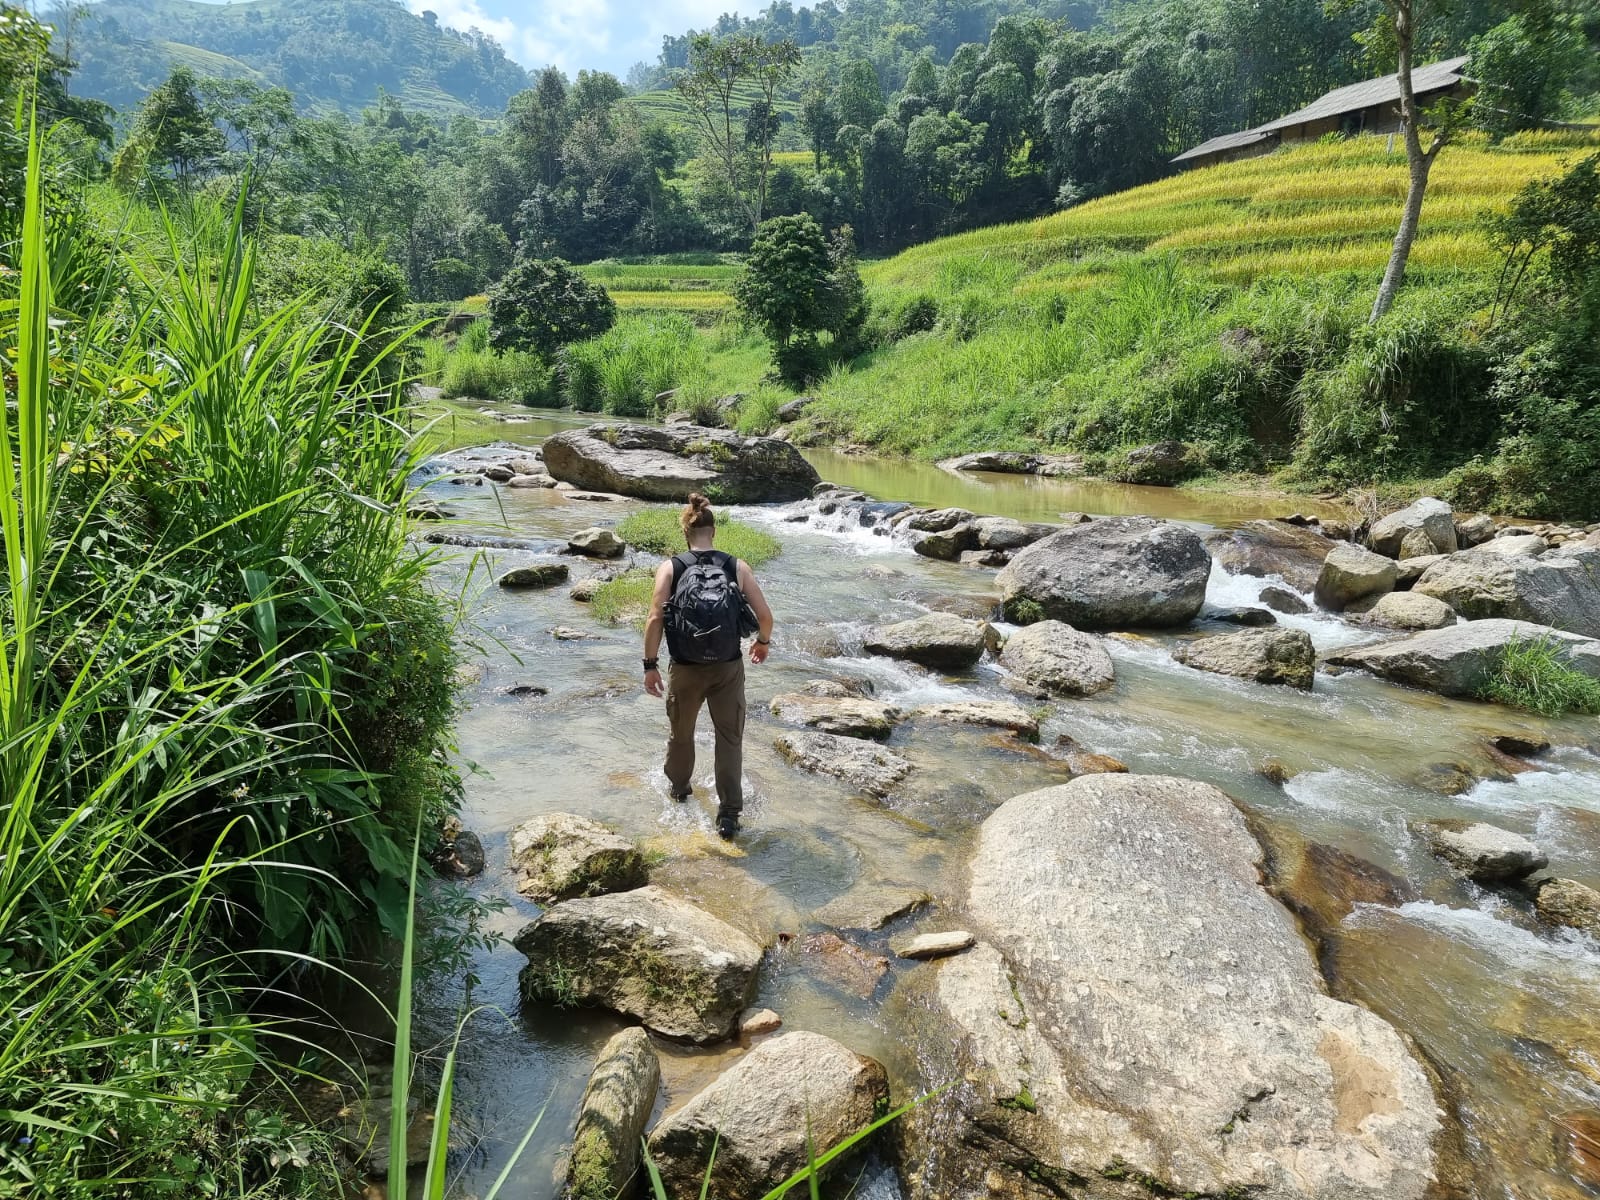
[[623, 370], [798, 285], [514, 376], [1533, 675], [173, 138], [656, 531], [224, 698], [543, 304]]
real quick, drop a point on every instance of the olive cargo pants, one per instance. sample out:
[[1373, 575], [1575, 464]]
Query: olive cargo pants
[[720, 687]]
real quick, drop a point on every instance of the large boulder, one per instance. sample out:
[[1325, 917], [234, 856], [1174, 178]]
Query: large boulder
[[1117, 573], [1570, 903], [1556, 589], [1160, 464], [615, 1109], [561, 855], [1405, 610], [1350, 573], [1283, 656], [1142, 1018], [848, 716], [1054, 659], [1293, 553], [666, 464], [1003, 533], [596, 543], [1459, 659], [1482, 852], [864, 766], [1431, 520], [939, 640], [948, 545], [647, 954], [793, 1094]]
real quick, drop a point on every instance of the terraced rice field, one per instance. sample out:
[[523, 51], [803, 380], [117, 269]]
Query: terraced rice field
[[698, 288], [1306, 210]]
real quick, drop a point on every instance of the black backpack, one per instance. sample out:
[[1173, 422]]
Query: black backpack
[[708, 613]]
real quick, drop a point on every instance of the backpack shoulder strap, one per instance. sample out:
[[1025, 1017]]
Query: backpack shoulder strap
[[730, 566], [680, 564]]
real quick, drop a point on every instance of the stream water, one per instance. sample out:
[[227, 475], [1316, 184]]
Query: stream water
[[1504, 1010]]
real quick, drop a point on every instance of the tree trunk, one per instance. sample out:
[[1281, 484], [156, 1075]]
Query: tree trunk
[[1419, 162]]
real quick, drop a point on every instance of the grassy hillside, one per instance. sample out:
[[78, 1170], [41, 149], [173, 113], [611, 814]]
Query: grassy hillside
[[334, 55], [1224, 306]]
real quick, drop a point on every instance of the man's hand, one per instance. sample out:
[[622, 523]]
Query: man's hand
[[652, 684], [759, 651]]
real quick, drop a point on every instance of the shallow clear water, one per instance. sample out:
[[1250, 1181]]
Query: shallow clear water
[[1504, 1010]]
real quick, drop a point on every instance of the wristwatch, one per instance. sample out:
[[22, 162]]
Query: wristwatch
[[761, 641], [652, 664]]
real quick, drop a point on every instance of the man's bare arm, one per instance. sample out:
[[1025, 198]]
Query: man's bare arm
[[655, 625]]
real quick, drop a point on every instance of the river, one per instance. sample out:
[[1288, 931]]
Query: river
[[1504, 1010]]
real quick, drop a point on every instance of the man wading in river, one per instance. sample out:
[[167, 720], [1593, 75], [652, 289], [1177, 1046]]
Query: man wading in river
[[705, 601]]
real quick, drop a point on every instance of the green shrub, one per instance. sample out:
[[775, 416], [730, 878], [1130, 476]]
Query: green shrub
[[544, 304], [1533, 675], [625, 369], [656, 531]]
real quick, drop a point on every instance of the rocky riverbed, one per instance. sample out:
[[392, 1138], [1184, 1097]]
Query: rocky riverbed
[[1173, 849]]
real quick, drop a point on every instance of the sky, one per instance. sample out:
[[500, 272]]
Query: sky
[[607, 35]]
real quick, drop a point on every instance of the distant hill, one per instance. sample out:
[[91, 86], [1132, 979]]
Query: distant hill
[[334, 55]]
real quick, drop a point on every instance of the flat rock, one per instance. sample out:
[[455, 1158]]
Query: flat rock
[[667, 463], [561, 855], [933, 945], [1570, 903], [1430, 524], [1280, 656], [1557, 589], [1529, 545], [1459, 659], [938, 520], [1253, 618], [612, 1116], [1292, 553], [939, 640], [1482, 852], [647, 954], [1350, 573], [847, 716], [596, 543], [540, 575], [1116, 573], [539, 480], [997, 714], [1053, 659], [759, 1113], [870, 906], [1138, 1007], [1002, 462], [867, 767]]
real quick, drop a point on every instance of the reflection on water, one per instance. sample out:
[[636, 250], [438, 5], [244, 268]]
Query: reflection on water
[[1503, 1010]]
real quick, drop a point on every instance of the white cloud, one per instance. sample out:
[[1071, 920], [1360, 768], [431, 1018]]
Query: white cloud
[[608, 35]]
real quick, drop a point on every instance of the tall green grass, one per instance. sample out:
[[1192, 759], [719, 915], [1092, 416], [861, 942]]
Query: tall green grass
[[224, 689], [657, 531], [623, 370], [1533, 674]]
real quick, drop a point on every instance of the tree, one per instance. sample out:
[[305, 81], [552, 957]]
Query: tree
[[542, 304], [711, 84], [798, 285], [172, 134], [1523, 67], [1400, 23], [860, 95], [818, 122]]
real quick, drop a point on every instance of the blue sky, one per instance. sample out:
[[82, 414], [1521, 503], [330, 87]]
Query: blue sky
[[609, 35]]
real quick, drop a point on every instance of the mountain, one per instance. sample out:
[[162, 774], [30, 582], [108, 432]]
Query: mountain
[[334, 55]]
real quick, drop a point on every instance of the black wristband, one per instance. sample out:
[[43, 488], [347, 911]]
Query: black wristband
[[763, 641], [652, 664]]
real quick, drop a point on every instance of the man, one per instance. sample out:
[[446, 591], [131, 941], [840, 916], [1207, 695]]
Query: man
[[704, 601]]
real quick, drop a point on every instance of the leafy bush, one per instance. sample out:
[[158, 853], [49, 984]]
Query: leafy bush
[[1533, 675], [798, 286], [514, 376], [656, 531], [543, 304]]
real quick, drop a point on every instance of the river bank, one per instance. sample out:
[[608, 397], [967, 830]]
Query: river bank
[[1464, 970]]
